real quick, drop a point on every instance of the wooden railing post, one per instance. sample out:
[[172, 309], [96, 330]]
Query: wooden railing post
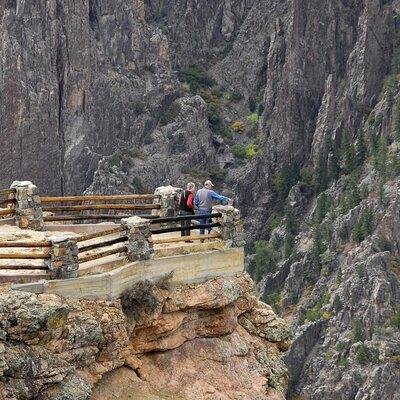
[[28, 209], [140, 246], [167, 198], [231, 228], [63, 263]]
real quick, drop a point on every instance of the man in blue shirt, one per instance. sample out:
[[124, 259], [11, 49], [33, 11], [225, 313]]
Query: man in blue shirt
[[204, 201]]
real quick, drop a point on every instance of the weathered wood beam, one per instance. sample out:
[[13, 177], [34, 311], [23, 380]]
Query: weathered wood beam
[[24, 256], [87, 207], [100, 234], [186, 238], [104, 243], [48, 199], [25, 244], [95, 256]]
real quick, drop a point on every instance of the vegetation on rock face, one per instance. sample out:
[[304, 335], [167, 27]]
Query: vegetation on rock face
[[170, 113]]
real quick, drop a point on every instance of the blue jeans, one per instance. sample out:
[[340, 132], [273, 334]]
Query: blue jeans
[[204, 221]]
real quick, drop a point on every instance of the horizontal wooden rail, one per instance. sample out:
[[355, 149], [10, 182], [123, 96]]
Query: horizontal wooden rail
[[95, 256], [100, 234], [24, 256], [103, 244], [10, 211], [184, 218], [103, 207], [186, 238], [8, 201], [48, 199], [6, 192], [19, 266], [178, 228], [56, 218], [25, 244]]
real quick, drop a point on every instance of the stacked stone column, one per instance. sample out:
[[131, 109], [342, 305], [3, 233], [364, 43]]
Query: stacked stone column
[[63, 263], [140, 246], [168, 200], [28, 209], [231, 228]]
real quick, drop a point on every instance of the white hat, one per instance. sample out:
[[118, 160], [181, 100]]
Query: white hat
[[208, 183]]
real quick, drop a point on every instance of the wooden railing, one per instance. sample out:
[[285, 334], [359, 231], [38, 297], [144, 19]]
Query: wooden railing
[[34, 258], [7, 202], [111, 205], [105, 245], [193, 226]]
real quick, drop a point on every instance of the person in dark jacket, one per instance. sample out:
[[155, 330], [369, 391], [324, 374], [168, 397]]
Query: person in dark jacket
[[186, 207], [204, 201]]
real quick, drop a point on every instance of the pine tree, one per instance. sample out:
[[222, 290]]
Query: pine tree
[[361, 150], [380, 158], [318, 248], [290, 231], [321, 179], [350, 158]]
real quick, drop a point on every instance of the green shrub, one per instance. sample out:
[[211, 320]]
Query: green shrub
[[233, 96], [275, 222], [343, 361], [358, 332], [238, 151], [380, 157], [396, 121], [252, 150], [396, 319], [381, 244], [274, 300], [197, 78], [170, 113], [140, 107], [324, 203], [313, 315], [366, 355], [252, 105], [284, 180], [253, 118], [364, 227], [266, 259], [337, 304], [362, 354]]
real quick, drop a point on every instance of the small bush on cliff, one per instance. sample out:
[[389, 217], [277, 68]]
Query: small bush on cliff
[[251, 151], [170, 113], [358, 332], [364, 227], [396, 319], [266, 259], [284, 180], [196, 77], [238, 126]]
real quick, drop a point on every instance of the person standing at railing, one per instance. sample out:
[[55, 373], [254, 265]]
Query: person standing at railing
[[204, 201], [186, 207]]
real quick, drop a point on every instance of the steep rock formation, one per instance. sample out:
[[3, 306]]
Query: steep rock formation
[[212, 340]]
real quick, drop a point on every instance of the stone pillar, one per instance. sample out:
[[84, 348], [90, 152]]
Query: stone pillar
[[231, 228], [28, 209], [168, 200], [140, 246], [63, 262]]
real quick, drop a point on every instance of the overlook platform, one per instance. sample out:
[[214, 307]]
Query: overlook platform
[[63, 254]]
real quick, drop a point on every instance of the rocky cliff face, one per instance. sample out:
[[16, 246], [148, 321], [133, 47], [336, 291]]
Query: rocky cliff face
[[292, 107], [210, 341]]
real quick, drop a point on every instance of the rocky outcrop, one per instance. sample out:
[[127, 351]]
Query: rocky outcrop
[[212, 340]]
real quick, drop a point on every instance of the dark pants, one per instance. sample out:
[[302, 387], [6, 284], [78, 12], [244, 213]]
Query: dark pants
[[204, 221], [185, 223]]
